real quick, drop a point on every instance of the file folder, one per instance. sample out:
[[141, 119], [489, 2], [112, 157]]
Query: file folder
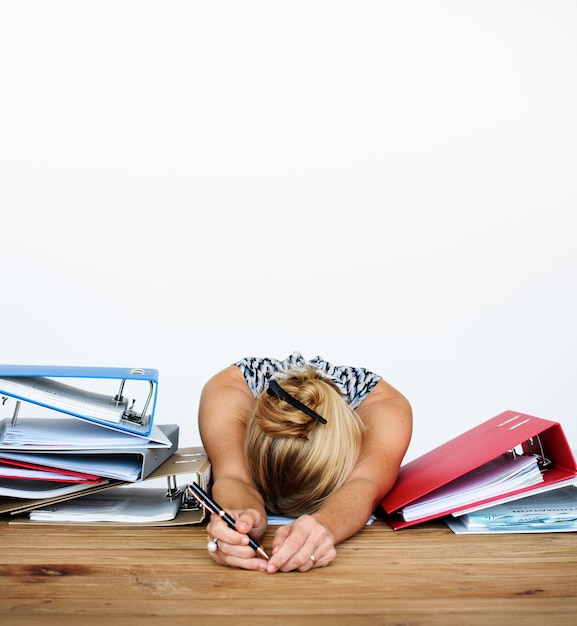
[[128, 404], [551, 511], [67, 433], [145, 462], [122, 505], [128, 464], [509, 432], [18, 469], [17, 493], [16, 506], [191, 462]]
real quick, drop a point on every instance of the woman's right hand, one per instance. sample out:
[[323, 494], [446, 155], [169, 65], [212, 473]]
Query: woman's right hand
[[232, 547]]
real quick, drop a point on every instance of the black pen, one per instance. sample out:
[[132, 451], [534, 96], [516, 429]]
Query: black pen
[[209, 504]]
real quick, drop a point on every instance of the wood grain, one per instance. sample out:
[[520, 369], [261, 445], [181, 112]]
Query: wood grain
[[420, 576]]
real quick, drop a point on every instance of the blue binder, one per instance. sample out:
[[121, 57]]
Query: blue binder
[[128, 404]]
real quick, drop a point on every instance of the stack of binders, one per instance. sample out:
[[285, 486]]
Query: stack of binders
[[68, 433]]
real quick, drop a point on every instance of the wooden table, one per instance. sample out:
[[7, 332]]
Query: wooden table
[[420, 576]]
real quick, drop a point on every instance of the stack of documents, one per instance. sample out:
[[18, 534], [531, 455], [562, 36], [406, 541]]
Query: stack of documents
[[552, 511], [120, 505], [63, 440], [502, 475], [159, 501], [37, 453]]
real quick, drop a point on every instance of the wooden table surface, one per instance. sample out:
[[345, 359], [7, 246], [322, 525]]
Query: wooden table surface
[[420, 576]]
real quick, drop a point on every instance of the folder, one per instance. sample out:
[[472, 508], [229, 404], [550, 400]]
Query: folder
[[141, 463], [18, 469], [131, 464], [191, 462], [552, 511], [510, 435], [16, 505], [67, 433], [119, 398], [123, 505], [15, 494]]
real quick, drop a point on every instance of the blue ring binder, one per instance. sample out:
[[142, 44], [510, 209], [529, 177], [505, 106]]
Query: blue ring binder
[[45, 386]]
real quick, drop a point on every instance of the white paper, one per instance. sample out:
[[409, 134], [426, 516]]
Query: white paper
[[502, 475], [63, 397], [127, 505], [16, 472], [40, 489], [552, 511], [544, 488], [69, 433], [116, 465], [460, 528]]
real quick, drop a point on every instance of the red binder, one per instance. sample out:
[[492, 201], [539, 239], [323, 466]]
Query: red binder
[[491, 439]]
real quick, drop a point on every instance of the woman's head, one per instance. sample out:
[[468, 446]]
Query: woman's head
[[296, 461]]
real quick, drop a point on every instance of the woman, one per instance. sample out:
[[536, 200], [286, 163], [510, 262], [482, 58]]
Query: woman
[[304, 439]]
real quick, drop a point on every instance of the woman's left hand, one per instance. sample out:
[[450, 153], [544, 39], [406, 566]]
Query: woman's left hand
[[301, 545]]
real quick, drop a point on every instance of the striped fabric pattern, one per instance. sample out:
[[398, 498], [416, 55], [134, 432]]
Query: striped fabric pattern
[[355, 383]]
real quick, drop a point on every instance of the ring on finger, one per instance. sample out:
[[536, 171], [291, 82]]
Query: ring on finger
[[212, 545], [314, 559]]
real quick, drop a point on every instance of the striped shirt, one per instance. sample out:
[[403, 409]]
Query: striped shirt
[[355, 383]]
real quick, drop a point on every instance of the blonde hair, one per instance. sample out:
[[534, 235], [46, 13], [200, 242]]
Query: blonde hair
[[295, 461]]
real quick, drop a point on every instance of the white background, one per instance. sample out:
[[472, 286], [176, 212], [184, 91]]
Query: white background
[[387, 184]]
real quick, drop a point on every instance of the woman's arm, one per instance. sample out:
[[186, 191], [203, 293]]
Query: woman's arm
[[387, 416], [226, 404]]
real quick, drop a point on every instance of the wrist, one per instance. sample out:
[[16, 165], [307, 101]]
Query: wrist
[[236, 494]]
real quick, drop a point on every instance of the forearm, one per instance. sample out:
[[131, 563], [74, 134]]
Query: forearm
[[234, 494], [349, 509]]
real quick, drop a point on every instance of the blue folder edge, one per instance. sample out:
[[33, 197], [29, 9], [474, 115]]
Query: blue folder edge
[[116, 373]]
